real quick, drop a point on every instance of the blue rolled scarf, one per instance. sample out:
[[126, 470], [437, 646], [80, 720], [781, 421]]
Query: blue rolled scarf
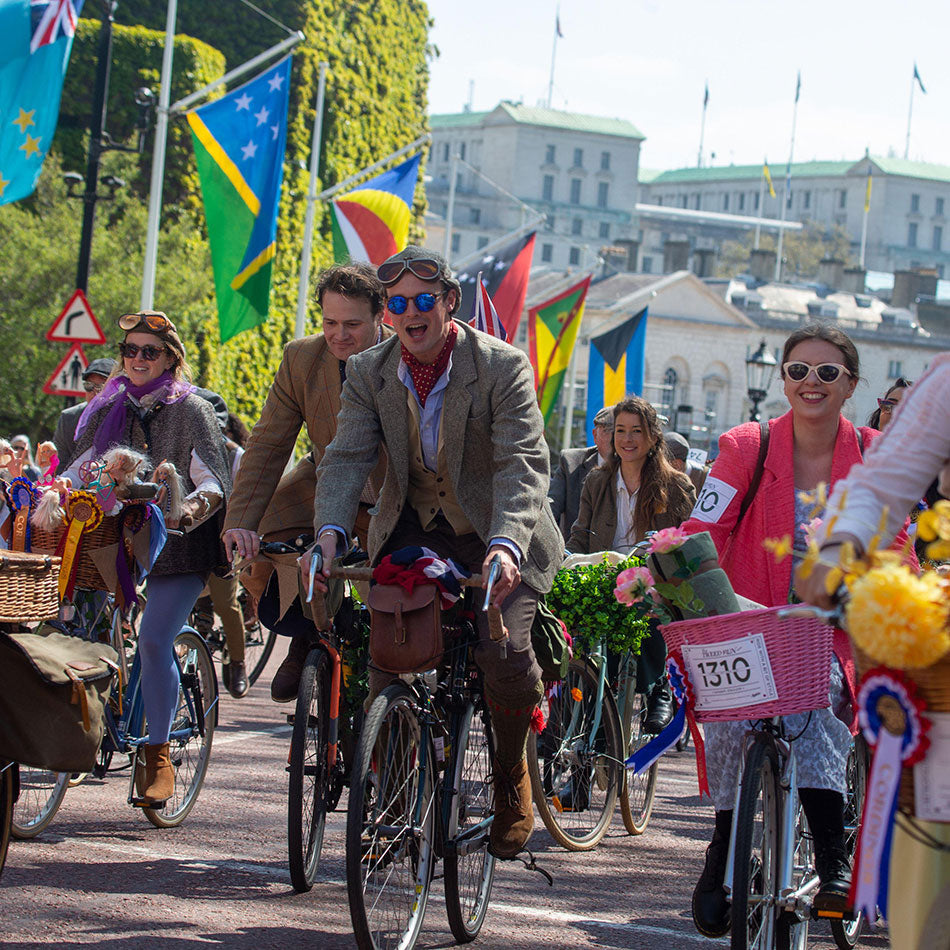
[[116, 394]]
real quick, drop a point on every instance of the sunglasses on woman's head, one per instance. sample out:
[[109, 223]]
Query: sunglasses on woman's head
[[423, 267], [151, 353], [796, 371], [153, 320], [424, 302]]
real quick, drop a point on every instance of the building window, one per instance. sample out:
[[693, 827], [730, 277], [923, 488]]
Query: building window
[[474, 215], [482, 242], [445, 152], [575, 191], [602, 194], [697, 201], [843, 198], [574, 258], [522, 331], [938, 209], [549, 223], [742, 201], [684, 200], [578, 158], [577, 225], [755, 202], [462, 151], [605, 230], [647, 265], [725, 201], [547, 253], [914, 204], [806, 199], [895, 368], [605, 161], [670, 380], [456, 243], [659, 200], [938, 238], [549, 154], [912, 234], [547, 188]]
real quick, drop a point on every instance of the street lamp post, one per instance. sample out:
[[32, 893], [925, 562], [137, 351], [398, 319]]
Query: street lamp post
[[759, 368]]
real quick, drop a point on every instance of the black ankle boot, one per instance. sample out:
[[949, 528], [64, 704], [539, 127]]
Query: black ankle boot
[[711, 910], [824, 810], [659, 708]]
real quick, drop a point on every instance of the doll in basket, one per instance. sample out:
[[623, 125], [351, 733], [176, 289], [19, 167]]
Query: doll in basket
[[150, 405]]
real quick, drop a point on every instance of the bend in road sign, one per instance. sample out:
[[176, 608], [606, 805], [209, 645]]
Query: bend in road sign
[[76, 324], [66, 379]]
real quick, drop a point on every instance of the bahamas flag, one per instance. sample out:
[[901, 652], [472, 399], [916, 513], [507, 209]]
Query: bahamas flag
[[552, 333], [371, 222], [615, 366], [239, 147], [35, 41]]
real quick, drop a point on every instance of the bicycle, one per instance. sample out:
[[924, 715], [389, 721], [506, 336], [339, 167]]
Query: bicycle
[[41, 794], [402, 815], [9, 786]]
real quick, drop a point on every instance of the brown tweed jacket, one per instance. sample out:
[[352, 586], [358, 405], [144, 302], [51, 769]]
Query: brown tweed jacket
[[493, 437]]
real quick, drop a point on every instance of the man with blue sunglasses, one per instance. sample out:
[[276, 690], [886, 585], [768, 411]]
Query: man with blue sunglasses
[[467, 476]]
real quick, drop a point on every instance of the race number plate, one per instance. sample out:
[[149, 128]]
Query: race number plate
[[731, 674], [932, 776]]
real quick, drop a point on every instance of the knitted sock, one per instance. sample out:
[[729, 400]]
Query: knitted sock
[[511, 719]]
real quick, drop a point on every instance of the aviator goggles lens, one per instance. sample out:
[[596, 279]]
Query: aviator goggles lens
[[797, 371], [423, 267], [424, 302], [151, 353], [154, 321]]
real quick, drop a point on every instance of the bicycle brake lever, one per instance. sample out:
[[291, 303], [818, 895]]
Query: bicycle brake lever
[[316, 564]]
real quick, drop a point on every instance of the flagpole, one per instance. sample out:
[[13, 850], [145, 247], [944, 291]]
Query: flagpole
[[569, 411], [867, 210], [363, 172], [557, 24], [910, 112], [702, 129], [158, 163], [758, 225], [303, 288], [788, 182]]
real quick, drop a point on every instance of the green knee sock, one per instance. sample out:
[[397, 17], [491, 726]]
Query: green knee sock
[[511, 720]]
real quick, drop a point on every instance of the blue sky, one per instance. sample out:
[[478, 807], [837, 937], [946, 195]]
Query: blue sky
[[647, 61]]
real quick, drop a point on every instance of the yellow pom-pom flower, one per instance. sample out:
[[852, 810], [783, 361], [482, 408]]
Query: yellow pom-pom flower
[[898, 618]]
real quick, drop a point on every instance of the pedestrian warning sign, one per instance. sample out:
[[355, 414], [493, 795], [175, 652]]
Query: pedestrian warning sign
[[66, 379], [76, 324]]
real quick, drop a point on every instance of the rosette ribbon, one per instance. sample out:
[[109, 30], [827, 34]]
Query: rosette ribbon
[[134, 518], [683, 695], [84, 514], [23, 496], [891, 717]]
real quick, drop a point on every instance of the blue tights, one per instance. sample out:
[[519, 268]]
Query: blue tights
[[169, 602]]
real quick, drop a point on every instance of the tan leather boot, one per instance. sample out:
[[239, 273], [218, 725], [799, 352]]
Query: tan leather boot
[[514, 815], [159, 775]]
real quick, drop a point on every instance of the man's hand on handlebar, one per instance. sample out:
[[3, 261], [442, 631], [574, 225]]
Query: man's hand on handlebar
[[509, 578], [326, 544], [246, 543]]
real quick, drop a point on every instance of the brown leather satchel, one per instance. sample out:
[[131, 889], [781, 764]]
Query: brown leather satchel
[[405, 629]]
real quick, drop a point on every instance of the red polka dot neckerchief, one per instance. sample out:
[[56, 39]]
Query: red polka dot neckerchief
[[426, 375]]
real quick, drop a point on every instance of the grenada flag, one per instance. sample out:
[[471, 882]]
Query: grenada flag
[[371, 222], [552, 332]]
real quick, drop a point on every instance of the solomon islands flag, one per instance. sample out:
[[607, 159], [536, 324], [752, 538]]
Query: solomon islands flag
[[615, 366]]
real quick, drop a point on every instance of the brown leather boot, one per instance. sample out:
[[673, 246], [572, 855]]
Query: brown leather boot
[[514, 815], [287, 678], [159, 775]]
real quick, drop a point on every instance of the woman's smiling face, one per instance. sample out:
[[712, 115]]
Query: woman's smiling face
[[811, 398], [138, 368], [632, 441]]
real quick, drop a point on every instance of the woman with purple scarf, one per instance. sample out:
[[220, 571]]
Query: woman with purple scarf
[[149, 404]]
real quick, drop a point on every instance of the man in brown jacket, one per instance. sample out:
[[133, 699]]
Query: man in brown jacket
[[306, 391]]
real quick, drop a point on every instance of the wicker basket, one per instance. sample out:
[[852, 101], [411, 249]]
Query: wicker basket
[[933, 687], [87, 574], [28, 587]]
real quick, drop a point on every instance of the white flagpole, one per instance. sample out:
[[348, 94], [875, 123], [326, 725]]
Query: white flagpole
[[363, 172], [702, 128], [910, 112], [450, 207], [557, 24], [158, 163], [788, 182], [303, 288]]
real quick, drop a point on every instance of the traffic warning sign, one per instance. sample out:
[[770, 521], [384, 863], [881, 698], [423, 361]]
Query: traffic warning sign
[[76, 324], [66, 379]]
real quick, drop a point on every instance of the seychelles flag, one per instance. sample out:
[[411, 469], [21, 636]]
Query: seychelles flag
[[35, 41], [615, 366], [371, 222], [239, 147]]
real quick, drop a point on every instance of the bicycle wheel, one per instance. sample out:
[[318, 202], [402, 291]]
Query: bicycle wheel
[[637, 791], [41, 794], [791, 931], [192, 729], [390, 824], [576, 773], [846, 933], [306, 796], [469, 873], [258, 646], [755, 875], [7, 781]]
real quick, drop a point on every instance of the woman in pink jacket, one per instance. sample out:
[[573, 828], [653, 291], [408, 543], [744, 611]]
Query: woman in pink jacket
[[811, 444]]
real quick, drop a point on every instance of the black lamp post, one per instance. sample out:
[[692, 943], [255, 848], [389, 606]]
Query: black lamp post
[[759, 368]]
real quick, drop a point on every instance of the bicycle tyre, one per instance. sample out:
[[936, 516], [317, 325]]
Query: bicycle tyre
[[575, 782], [468, 878], [306, 794], [197, 712], [41, 794], [637, 791], [258, 646], [7, 781], [755, 874], [376, 863]]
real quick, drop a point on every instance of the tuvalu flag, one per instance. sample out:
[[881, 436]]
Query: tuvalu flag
[[552, 332], [239, 147], [615, 366], [35, 41], [371, 222]]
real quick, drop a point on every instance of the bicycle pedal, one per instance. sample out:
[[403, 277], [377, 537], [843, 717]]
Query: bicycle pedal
[[142, 803]]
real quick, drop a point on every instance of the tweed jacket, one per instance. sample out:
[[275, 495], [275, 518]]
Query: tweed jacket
[[567, 481], [596, 522], [306, 390], [493, 438], [64, 438]]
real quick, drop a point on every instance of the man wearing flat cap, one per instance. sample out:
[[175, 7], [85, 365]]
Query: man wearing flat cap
[[94, 377], [466, 476]]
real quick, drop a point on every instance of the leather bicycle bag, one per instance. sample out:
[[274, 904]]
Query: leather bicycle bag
[[53, 690], [405, 628]]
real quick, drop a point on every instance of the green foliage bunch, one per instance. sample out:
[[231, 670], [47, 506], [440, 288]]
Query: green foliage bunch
[[583, 597]]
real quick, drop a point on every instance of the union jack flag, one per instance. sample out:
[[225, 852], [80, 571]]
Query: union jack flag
[[52, 19], [484, 315]]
